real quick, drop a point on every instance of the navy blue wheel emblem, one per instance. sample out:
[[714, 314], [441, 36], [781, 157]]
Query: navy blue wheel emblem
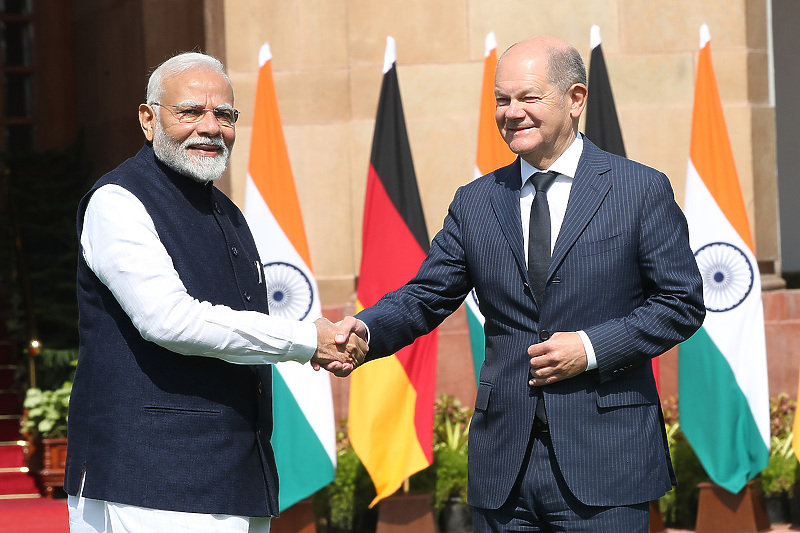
[[289, 292], [727, 275]]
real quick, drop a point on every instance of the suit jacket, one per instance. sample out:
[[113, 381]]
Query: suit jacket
[[622, 271]]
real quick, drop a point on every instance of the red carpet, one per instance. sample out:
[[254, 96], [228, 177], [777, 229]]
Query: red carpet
[[34, 515]]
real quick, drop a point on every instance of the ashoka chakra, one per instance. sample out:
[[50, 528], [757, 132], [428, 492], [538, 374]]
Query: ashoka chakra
[[289, 292], [727, 275]]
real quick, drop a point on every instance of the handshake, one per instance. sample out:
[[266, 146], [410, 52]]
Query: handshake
[[341, 347]]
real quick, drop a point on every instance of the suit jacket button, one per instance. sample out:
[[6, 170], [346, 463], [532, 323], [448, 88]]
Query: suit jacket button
[[544, 335]]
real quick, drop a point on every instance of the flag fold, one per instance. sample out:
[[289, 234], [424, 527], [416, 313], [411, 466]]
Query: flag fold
[[492, 153], [391, 399], [304, 436], [722, 374]]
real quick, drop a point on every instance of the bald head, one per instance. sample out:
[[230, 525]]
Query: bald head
[[564, 64], [540, 92]]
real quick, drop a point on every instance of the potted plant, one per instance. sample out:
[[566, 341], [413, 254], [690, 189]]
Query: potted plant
[[45, 425], [343, 506], [778, 479], [451, 434], [678, 507]]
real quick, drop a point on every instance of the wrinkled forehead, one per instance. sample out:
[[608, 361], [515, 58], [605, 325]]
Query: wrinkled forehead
[[201, 86], [520, 70]]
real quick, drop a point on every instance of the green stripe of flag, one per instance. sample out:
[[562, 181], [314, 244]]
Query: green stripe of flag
[[716, 417], [477, 340], [304, 466]]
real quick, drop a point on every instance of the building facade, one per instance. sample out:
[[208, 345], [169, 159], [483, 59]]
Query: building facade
[[79, 68]]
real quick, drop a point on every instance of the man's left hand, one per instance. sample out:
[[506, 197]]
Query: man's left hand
[[560, 357]]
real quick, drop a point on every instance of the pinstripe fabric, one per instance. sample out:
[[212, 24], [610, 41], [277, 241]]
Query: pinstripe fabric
[[622, 271]]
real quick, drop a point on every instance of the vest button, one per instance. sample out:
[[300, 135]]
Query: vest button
[[217, 208], [234, 250], [544, 335], [247, 296]]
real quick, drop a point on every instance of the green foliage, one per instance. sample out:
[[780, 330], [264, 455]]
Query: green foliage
[[53, 367], [451, 436], [781, 473], [44, 189], [781, 415], [342, 497], [344, 504], [679, 506], [47, 412]]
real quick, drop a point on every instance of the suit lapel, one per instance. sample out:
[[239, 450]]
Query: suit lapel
[[589, 189], [505, 203]]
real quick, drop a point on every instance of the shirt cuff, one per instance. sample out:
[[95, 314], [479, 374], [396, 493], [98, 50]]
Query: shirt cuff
[[304, 342], [591, 358], [366, 327]]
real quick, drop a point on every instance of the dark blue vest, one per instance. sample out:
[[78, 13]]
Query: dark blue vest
[[154, 428]]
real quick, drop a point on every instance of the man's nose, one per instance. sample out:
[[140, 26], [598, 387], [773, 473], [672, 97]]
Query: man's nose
[[514, 110], [209, 124]]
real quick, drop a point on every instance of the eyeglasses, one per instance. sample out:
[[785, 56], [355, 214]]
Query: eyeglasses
[[192, 114]]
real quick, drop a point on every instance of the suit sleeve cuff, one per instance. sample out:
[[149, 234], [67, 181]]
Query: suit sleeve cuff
[[591, 358]]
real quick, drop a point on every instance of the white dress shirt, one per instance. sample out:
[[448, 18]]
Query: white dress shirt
[[557, 197], [120, 244]]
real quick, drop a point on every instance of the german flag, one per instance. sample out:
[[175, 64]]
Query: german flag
[[391, 399], [602, 124]]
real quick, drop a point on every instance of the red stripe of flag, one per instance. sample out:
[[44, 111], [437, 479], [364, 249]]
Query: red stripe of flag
[[391, 400]]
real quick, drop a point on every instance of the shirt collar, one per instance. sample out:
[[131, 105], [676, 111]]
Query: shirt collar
[[566, 164]]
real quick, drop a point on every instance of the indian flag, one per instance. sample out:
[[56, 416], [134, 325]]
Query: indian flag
[[304, 437], [722, 373], [493, 153]]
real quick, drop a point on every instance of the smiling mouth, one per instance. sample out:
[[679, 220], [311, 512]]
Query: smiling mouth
[[204, 149], [519, 129]]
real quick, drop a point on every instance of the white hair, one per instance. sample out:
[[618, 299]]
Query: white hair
[[177, 65]]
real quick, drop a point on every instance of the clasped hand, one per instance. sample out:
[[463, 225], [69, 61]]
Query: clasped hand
[[560, 357], [339, 354]]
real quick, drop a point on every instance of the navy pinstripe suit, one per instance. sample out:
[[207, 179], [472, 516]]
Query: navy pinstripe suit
[[622, 271]]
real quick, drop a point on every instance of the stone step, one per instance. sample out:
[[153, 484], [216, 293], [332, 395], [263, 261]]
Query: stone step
[[32, 495], [17, 481], [12, 454]]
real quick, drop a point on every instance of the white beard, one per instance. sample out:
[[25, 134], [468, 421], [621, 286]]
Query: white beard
[[175, 155]]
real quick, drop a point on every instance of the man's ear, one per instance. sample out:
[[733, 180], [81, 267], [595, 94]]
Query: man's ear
[[147, 120], [577, 96]]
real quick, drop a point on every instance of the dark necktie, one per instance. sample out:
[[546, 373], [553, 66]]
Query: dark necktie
[[539, 234]]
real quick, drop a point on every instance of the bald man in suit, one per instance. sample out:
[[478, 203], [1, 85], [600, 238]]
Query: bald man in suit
[[581, 263]]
